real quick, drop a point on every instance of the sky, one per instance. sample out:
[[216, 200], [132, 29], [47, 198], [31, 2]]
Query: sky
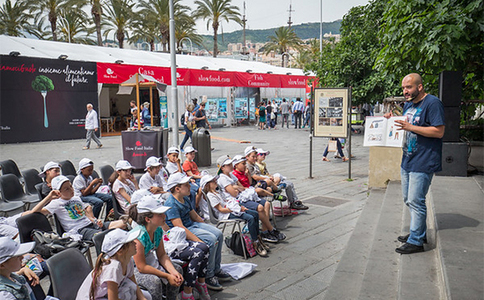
[[263, 14]]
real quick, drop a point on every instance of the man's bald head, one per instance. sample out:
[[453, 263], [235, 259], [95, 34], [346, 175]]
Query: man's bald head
[[416, 78], [412, 86]]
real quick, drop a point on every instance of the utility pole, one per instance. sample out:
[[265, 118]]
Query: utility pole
[[244, 21], [290, 11]]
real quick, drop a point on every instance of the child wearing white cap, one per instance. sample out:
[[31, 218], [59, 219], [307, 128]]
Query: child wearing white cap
[[86, 187], [51, 170], [13, 285], [113, 274], [124, 184], [75, 216], [190, 166], [153, 266], [182, 214], [173, 164], [151, 180]]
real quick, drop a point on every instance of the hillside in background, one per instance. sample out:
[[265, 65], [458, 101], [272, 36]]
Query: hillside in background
[[304, 31]]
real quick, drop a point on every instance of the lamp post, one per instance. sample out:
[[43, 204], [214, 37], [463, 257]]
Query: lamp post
[[174, 89], [66, 24], [191, 44], [283, 63]]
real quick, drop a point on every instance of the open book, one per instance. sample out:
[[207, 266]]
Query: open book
[[380, 131]]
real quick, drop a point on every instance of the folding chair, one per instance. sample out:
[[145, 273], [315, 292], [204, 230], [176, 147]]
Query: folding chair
[[12, 191], [106, 172], [67, 168], [31, 178], [26, 224], [10, 167], [98, 240]]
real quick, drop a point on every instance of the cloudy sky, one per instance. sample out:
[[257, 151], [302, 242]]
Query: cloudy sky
[[262, 14]]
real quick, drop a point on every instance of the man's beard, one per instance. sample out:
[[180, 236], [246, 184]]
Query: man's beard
[[413, 96]]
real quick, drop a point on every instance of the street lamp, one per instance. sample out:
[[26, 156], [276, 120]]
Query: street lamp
[[282, 56], [66, 24], [191, 44]]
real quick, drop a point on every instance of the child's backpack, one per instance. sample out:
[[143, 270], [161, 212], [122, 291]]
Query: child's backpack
[[235, 244], [49, 243], [288, 211]]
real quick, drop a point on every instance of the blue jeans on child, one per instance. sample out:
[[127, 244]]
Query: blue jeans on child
[[252, 218], [214, 239], [415, 186], [97, 200]]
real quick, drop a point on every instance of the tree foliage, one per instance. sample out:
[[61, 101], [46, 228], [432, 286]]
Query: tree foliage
[[14, 18], [283, 39]]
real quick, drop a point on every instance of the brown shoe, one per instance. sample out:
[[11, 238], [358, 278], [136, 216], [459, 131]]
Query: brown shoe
[[260, 250], [99, 146], [85, 148], [325, 159]]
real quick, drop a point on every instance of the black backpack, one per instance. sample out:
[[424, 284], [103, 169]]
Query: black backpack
[[235, 244], [48, 243], [182, 119]]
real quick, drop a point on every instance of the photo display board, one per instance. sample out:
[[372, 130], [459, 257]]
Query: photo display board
[[331, 112]]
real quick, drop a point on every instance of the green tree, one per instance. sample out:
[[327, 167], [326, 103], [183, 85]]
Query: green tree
[[185, 28], [49, 10], [215, 12], [432, 36], [72, 27], [97, 12], [284, 39], [118, 17], [14, 19], [145, 29]]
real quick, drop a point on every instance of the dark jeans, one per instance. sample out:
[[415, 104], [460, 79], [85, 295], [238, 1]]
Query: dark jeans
[[252, 218], [97, 200], [338, 145], [297, 119], [188, 135]]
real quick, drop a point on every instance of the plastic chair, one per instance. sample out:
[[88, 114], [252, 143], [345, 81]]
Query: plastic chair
[[60, 231], [6, 207], [68, 269], [58, 226], [67, 168], [98, 240], [217, 222], [94, 174], [118, 211], [10, 167], [106, 172], [31, 178], [30, 222], [12, 191], [38, 188]]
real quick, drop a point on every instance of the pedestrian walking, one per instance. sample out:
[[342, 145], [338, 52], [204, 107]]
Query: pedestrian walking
[[285, 111], [91, 125], [297, 110]]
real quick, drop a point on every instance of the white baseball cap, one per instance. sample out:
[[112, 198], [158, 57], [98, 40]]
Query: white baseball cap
[[152, 162], [10, 248], [190, 149], [172, 150], [115, 239], [176, 179], [84, 163], [237, 159], [123, 165], [48, 166], [206, 179], [137, 195], [249, 150], [150, 204], [58, 181], [262, 151], [222, 161]]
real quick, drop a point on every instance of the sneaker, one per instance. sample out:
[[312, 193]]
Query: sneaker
[[99, 146], [202, 290], [212, 283], [260, 250], [187, 296], [268, 237], [85, 148], [223, 276], [282, 186], [299, 206], [280, 197], [277, 234]]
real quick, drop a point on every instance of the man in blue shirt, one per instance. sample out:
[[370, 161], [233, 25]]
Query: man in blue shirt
[[422, 156], [297, 110]]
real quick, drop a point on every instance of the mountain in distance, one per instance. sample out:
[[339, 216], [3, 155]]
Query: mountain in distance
[[304, 31]]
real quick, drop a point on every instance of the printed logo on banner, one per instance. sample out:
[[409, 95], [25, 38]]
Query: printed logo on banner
[[139, 145]]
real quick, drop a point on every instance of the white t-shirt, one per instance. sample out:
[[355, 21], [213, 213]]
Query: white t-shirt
[[130, 188], [224, 180], [146, 181], [80, 183], [111, 272], [216, 199], [71, 213], [189, 116], [171, 167]]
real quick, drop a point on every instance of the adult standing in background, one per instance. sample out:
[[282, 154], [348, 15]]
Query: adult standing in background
[[422, 156], [201, 117], [275, 109], [285, 111], [91, 125], [145, 114], [269, 119], [297, 110]]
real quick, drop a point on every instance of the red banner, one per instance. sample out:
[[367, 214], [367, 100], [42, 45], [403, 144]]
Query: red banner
[[211, 78], [119, 73], [257, 80], [293, 81]]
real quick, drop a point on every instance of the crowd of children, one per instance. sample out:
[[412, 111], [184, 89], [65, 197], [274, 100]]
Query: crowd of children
[[168, 212]]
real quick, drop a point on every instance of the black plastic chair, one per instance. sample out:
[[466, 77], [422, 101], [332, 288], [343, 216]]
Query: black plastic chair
[[94, 174], [106, 172], [118, 211], [26, 224], [10, 167], [68, 269], [12, 191], [38, 188], [67, 168], [58, 226], [6, 207], [31, 178], [98, 240]]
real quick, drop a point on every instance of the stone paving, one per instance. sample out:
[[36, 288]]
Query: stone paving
[[302, 266]]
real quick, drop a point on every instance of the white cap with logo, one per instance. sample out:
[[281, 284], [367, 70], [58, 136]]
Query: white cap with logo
[[150, 204], [57, 182], [123, 165], [153, 161], [10, 248], [115, 239], [84, 163], [48, 166], [176, 179]]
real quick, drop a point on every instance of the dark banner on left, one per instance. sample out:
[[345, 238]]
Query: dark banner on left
[[44, 99]]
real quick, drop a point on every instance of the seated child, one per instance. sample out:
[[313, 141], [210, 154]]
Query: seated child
[[86, 188], [189, 166], [151, 180], [228, 184], [13, 284], [75, 216], [113, 274], [254, 171], [230, 209], [173, 164], [153, 266], [123, 184], [51, 170], [280, 180], [183, 215]]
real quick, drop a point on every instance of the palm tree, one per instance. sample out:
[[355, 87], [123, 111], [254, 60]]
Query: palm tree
[[72, 25], [285, 38], [145, 28], [118, 17], [185, 28], [14, 19], [96, 12], [215, 12], [160, 10], [49, 10]]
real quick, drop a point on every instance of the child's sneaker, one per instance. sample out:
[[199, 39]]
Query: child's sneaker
[[187, 296], [223, 276], [282, 186], [268, 237], [279, 235], [212, 283], [280, 197], [202, 290]]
